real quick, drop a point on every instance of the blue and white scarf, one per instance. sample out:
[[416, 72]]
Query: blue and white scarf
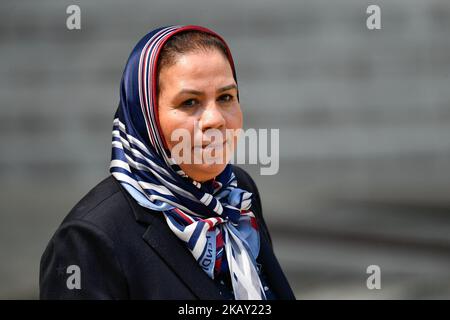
[[213, 218]]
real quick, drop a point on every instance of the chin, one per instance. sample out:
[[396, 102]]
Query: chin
[[203, 172]]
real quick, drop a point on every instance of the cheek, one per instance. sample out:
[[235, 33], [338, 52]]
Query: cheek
[[234, 123], [235, 119], [172, 120], [168, 123]]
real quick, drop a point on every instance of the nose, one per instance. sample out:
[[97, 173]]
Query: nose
[[212, 117]]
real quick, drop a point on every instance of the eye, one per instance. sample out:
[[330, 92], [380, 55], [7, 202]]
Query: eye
[[226, 97], [189, 103]]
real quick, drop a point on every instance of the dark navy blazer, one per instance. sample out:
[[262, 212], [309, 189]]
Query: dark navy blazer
[[125, 251]]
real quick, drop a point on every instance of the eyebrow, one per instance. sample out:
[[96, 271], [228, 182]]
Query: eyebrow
[[199, 93]]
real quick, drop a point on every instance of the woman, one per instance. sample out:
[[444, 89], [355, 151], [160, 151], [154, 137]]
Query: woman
[[160, 227]]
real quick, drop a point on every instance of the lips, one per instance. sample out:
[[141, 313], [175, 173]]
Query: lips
[[215, 145], [212, 145]]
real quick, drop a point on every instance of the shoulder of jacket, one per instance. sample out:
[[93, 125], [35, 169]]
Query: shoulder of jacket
[[104, 206]]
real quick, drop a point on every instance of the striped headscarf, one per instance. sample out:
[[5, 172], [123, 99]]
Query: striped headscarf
[[213, 218]]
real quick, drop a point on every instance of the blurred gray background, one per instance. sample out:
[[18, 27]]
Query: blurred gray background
[[364, 119]]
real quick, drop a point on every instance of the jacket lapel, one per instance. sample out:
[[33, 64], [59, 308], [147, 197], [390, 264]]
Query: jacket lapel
[[181, 261], [175, 254]]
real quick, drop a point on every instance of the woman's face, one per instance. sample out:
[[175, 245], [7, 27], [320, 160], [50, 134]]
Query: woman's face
[[198, 93]]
